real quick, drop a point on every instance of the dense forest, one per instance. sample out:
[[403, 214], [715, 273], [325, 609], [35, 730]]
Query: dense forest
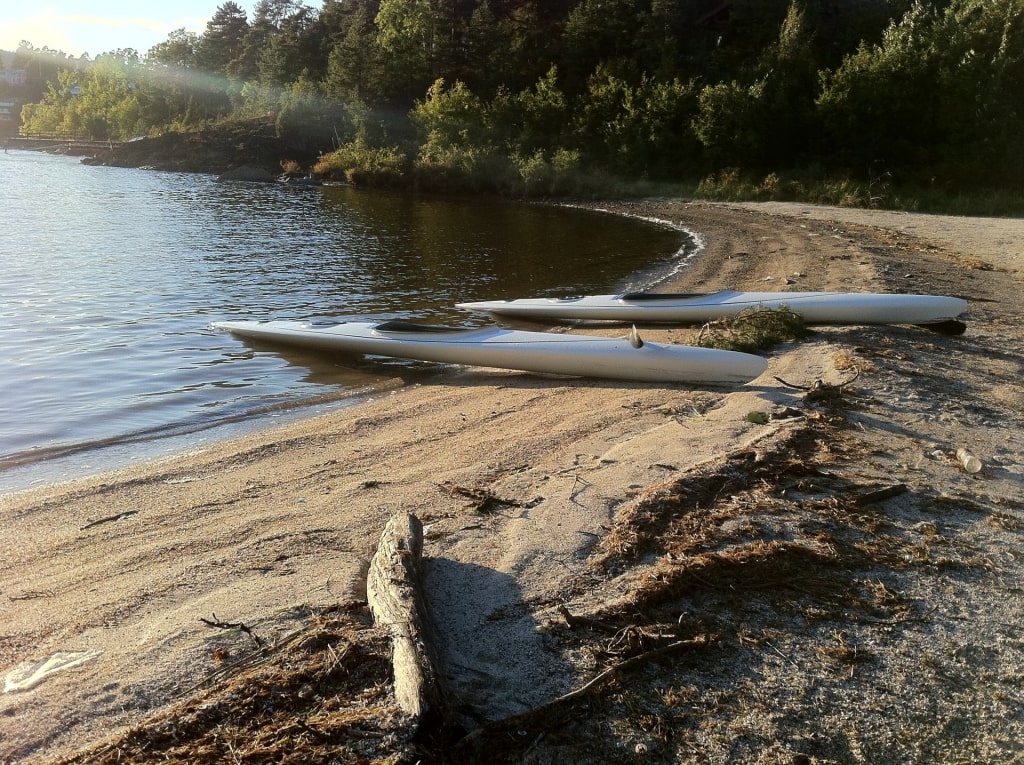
[[546, 96]]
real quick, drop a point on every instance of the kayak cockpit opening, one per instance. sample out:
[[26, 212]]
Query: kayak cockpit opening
[[639, 297], [400, 325]]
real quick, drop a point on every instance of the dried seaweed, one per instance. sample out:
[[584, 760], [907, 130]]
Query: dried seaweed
[[321, 696], [752, 330]]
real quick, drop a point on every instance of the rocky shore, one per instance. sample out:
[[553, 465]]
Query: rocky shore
[[216, 150]]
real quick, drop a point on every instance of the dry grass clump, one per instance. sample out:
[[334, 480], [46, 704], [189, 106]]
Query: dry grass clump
[[687, 516], [321, 696], [752, 330], [772, 525]]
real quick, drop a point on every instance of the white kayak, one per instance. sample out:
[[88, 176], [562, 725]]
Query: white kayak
[[812, 307], [545, 352]]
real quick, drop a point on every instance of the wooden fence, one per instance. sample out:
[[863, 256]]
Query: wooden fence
[[57, 143]]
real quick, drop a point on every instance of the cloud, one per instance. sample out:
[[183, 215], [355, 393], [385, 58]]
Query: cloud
[[159, 26], [78, 33]]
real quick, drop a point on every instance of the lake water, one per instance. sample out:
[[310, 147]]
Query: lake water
[[109, 279]]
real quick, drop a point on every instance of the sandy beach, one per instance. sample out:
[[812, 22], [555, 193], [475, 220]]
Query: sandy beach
[[858, 592]]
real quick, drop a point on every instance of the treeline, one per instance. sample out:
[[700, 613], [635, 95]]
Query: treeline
[[539, 95]]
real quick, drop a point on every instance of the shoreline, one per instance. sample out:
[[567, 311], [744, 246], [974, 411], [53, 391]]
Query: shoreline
[[86, 463], [91, 462], [267, 529]]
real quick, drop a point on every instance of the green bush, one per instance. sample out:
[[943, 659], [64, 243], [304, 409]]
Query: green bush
[[362, 164]]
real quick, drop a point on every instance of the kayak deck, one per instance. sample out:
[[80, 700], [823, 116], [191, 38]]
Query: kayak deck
[[543, 352], [813, 307]]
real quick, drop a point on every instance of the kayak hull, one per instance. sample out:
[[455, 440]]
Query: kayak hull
[[812, 307], [543, 352]]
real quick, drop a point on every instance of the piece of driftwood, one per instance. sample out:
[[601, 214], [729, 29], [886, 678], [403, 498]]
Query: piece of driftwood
[[583, 621], [395, 595], [880, 495], [109, 519], [215, 622], [820, 390]]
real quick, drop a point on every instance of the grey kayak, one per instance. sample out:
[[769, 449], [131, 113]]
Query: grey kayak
[[813, 307], [544, 352]]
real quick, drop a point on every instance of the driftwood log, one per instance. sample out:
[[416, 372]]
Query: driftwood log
[[395, 595]]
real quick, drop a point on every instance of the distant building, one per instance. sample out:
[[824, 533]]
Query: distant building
[[15, 77], [10, 116]]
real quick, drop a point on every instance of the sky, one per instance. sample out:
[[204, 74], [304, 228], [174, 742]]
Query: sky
[[100, 26]]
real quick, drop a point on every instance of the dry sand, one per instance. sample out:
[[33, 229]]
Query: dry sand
[[920, 659]]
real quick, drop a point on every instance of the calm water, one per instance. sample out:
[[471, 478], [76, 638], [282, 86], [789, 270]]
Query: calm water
[[109, 278]]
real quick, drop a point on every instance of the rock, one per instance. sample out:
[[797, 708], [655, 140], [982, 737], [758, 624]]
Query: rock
[[217, 149], [292, 180]]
